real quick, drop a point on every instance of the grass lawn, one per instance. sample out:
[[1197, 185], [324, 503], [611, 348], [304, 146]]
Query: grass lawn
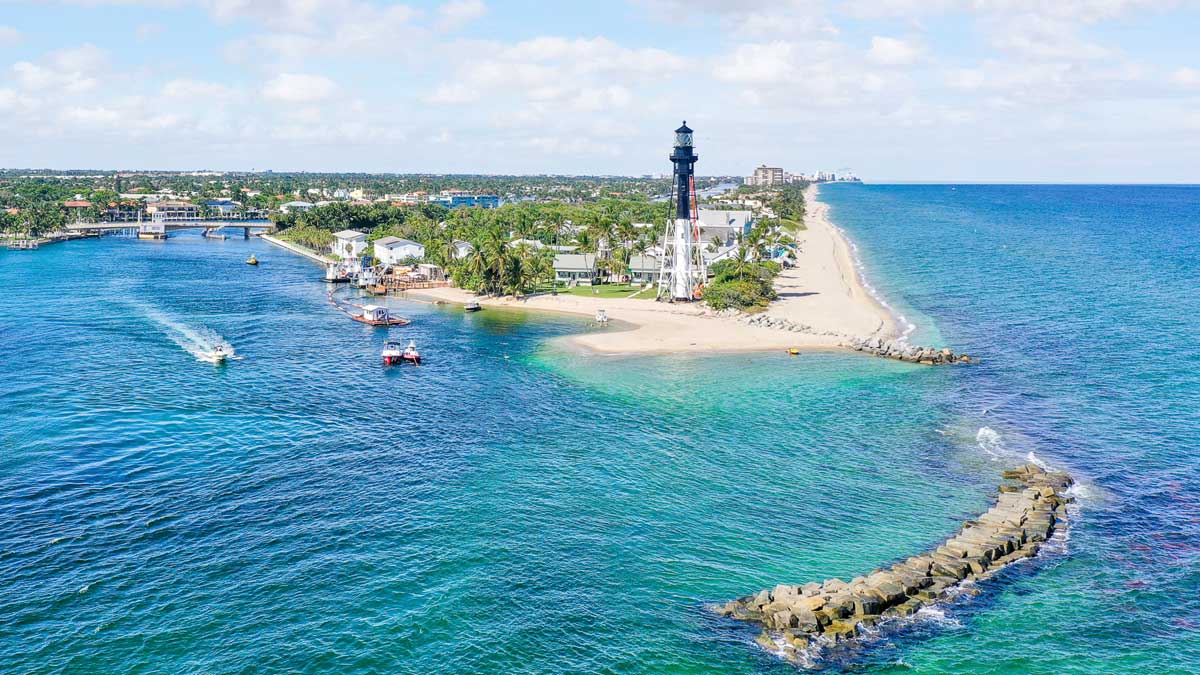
[[611, 291]]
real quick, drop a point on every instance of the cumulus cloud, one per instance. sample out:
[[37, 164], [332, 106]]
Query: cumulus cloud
[[9, 36], [72, 71], [887, 51], [299, 88], [458, 13]]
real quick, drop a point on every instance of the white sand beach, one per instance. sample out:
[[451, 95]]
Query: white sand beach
[[823, 291]]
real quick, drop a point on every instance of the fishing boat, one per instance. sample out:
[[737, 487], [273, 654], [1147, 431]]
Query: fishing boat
[[392, 353], [252, 260], [411, 354], [374, 315], [472, 307]]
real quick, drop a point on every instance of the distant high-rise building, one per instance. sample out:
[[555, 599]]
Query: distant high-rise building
[[766, 175]]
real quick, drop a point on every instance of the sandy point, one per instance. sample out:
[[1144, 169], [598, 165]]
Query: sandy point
[[823, 291]]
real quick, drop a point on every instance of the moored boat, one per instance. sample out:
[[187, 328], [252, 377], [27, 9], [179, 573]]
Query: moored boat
[[472, 307], [411, 354], [374, 315], [392, 353]]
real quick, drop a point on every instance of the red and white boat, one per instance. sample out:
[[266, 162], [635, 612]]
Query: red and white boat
[[411, 354], [392, 354]]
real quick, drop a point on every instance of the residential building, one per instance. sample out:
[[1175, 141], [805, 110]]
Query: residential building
[[576, 268], [728, 226], [455, 199], [644, 269], [222, 207], [164, 211], [295, 206], [766, 175], [393, 250], [349, 244], [462, 249]]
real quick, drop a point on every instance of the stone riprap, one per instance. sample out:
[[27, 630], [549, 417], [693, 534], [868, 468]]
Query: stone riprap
[[797, 620], [902, 351], [780, 323]]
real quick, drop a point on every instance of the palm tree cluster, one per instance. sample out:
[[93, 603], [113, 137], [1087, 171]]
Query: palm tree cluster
[[512, 247]]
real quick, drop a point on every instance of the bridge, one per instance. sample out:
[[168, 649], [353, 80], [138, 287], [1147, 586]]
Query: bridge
[[172, 225]]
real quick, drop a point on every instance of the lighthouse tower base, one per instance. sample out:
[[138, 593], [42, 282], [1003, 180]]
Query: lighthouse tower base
[[681, 268]]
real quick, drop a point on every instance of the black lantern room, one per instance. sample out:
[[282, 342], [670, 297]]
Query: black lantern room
[[684, 160]]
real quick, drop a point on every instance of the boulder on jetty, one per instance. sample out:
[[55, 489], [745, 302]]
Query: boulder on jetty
[[902, 351], [796, 619]]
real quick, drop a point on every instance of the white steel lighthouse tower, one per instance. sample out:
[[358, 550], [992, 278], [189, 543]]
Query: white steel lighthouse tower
[[682, 272]]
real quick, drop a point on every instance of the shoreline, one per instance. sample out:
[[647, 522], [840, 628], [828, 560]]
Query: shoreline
[[822, 300], [297, 249]]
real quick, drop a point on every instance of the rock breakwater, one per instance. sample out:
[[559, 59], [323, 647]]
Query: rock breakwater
[[902, 351], [800, 620], [780, 323]]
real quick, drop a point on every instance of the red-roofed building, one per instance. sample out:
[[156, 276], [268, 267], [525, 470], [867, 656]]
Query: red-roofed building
[[77, 204]]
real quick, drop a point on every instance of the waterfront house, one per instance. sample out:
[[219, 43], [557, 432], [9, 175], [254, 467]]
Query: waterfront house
[[462, 249], [728, 226], [575, 268], [297, 206], [349, 244], [392, 250], [222, 207], [166, 210], [644, 269]]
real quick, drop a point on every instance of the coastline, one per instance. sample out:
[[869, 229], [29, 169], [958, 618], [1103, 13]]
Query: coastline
[[298, 250], [823, 292]]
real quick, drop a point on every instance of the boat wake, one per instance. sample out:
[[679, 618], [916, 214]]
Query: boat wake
[[203, 343]]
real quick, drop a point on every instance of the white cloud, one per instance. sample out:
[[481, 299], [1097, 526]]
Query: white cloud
[[1186, 77], [148, 30], [453, 93], [887, 51], [196, 90], [457, 13], [70, 71], [299, 88], [9, 36]]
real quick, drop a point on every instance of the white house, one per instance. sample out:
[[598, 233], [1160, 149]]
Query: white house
[[462, 249], [295, 206], [575, 267], [726, 225], [349, 244], [392, 250]]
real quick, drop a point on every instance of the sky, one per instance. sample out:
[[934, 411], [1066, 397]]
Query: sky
[[910, 90]]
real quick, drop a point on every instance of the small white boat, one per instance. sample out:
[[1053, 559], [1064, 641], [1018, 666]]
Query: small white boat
[[392, 353], [219, 354], [601, 317], [472, 307], [411, 354]]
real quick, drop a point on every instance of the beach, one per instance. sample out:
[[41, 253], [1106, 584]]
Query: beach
[[824, 290]]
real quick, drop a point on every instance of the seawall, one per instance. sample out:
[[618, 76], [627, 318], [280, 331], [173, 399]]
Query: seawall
[[799, 621], [300, 250]]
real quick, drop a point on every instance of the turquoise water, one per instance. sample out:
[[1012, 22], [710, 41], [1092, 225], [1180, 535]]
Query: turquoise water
[[511, 507]]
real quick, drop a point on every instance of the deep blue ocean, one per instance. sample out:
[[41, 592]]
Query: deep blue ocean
[[514, 507]]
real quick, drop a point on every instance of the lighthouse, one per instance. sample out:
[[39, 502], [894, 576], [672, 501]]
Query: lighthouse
[[682, 267]]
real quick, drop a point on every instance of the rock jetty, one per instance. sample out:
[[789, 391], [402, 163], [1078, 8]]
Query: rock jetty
[[778, 323], [798, 621], [902, 351]]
